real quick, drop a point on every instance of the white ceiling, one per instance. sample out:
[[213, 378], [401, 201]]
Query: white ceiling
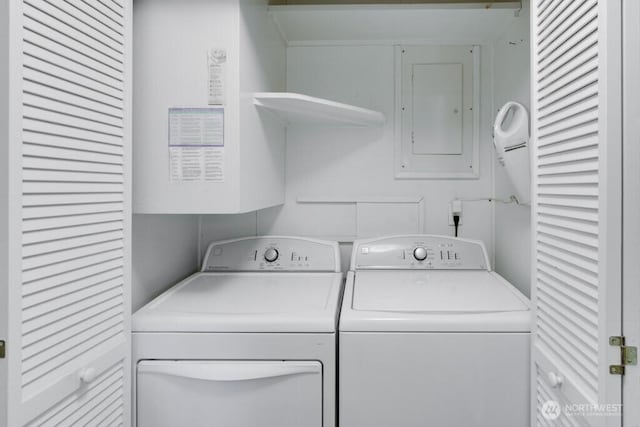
[[393, 23]]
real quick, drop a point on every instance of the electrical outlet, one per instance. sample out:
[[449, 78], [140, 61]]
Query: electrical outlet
[[455, 206]]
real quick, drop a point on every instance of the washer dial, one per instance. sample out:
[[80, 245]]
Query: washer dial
[[420, 253]]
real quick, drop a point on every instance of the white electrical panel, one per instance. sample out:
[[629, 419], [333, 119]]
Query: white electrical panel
[[436, 109], [437, 104]]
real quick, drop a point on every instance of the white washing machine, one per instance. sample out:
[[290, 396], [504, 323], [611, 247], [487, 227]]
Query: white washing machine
[[248, 341], [430, 336]]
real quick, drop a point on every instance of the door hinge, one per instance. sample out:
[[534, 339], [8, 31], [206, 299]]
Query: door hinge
[[2, 349], [628, 355]]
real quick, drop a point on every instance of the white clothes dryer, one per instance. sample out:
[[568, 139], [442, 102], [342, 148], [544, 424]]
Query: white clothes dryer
[[250, 340], [430, 336]]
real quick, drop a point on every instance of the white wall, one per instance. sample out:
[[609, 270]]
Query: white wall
[[359, 162], [352, 162], [165, 250], [512, 222]]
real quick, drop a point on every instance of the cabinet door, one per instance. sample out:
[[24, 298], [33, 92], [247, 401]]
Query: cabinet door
[[229, 393], [576, 211], [68, 299]]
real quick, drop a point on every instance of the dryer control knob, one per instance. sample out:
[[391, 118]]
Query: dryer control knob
[[271, 254], [420, 253]]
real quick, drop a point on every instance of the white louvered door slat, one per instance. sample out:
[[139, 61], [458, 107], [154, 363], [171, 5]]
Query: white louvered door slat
[[576, 208], [96, 14], [70, 410], [75, 212]]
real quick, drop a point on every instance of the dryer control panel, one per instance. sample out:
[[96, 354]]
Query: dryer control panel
[[272, 253], [426, 252]]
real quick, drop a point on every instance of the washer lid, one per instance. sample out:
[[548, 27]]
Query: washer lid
[[434, 291], [245, 302]]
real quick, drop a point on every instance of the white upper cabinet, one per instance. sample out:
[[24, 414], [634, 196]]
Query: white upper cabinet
[[200, 143]]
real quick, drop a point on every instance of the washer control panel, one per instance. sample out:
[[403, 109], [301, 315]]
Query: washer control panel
[[272, 253], [419, 252]]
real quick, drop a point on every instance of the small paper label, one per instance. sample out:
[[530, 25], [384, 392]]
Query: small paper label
[[217, 60]]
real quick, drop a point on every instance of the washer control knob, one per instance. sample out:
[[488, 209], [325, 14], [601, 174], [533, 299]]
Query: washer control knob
[[271, 254], [420, 253]]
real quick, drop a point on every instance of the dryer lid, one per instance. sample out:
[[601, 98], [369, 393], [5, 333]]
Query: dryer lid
[[434, 291]]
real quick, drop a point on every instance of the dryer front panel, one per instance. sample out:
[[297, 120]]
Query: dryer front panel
[[229, 393]]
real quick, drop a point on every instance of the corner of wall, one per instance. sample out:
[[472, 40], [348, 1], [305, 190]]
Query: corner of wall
[[165, 250], [512, 222]]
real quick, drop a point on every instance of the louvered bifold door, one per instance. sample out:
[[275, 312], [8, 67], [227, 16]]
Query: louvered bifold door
[[576, 211], [75, 212]]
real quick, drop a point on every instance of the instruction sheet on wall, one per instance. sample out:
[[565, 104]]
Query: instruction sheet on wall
[[196, 144], [217, 64]]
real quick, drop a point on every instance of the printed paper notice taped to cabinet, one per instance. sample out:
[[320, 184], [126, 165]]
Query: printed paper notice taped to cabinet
[[217, 63], [196, 144]]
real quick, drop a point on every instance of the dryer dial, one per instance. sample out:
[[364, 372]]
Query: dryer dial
[[271, 254]]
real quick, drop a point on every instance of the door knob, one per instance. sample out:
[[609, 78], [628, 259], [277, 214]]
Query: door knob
[[87, 375], [555, 380]]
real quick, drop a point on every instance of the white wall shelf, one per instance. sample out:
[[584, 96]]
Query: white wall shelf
[[295, 108]]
